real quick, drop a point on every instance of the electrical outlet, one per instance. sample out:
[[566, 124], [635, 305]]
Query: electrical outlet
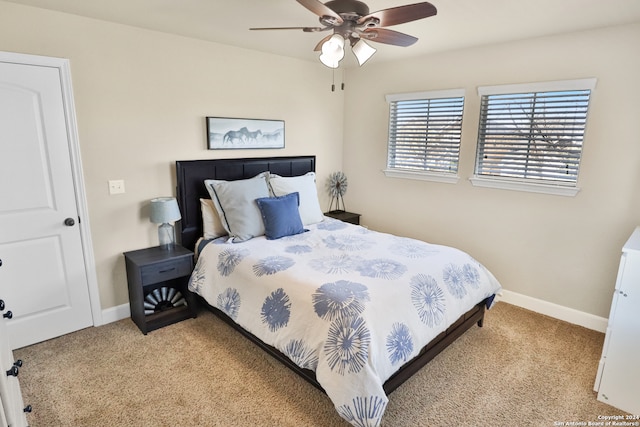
[[116, 186]]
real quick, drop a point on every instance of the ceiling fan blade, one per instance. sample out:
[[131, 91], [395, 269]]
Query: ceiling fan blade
[[321, 10], [401, 14], [305, 29], [318, 47], [382, 35]]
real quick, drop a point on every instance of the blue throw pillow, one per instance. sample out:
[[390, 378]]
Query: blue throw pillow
[[280, 215]]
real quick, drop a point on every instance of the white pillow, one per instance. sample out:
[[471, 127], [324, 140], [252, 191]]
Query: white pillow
[[212, 227], [305, 185], [236, 204]]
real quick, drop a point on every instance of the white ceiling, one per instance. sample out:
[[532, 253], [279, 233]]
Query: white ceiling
[[458, 24]]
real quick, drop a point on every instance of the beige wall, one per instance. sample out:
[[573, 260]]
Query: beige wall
[[564, 250], [141, 99]]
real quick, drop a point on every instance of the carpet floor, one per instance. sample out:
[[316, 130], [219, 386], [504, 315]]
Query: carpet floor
[[520, 369]]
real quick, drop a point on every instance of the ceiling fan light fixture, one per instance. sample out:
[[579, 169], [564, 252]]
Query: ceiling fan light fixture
[[362, 51], [333, 51], [351, 20], [334, 46], [329, 61]]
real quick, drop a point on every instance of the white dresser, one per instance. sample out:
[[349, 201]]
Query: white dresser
[[12, 409], [618, 378]]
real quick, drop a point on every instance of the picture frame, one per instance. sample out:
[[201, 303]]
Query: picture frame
[[227, 133]]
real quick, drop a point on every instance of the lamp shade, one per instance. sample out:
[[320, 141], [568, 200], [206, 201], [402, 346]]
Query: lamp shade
[[363, 51], [164, 210], [332, 51]]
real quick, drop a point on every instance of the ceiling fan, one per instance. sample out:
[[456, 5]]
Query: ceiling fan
[[351, 21]]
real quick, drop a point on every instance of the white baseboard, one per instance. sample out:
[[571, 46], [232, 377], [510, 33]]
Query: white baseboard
[[550, 309], [556, 311], [113, 314]]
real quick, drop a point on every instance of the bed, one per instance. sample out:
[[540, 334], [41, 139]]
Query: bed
[[354, 312]]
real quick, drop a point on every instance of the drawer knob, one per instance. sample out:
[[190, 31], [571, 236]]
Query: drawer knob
[[8, 315], [13, 372]]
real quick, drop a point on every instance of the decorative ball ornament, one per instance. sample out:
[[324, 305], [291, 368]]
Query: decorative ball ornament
[[337, 187]]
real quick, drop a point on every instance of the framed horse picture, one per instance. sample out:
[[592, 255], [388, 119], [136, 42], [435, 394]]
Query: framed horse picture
[[224, 133]]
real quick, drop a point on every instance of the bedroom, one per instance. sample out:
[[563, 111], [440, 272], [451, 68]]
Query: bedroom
[[141, 98]]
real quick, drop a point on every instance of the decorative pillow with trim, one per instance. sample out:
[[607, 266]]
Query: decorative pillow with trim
[[235, 202]]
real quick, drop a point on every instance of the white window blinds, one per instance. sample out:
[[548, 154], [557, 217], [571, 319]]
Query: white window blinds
[[533, 135], [425, 131]]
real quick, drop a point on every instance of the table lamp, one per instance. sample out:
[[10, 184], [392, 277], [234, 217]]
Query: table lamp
[[163, 211]]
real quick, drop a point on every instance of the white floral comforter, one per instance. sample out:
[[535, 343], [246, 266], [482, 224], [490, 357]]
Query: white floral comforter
[[351, 304]]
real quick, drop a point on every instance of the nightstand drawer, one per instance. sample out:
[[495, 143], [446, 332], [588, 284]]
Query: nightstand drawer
[[164, 271]]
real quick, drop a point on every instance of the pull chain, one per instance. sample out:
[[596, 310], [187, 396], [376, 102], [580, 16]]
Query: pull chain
[[333, 80]]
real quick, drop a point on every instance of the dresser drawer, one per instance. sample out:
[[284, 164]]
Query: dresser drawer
[[160, 272]]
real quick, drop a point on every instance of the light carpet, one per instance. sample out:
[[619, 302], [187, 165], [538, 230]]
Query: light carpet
[[520, 369]]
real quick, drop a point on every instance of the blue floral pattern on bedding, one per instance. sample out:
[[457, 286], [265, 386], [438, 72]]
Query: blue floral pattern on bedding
[[364, 411], [272, 265], [428, 299], [454, 280], [229, 258], [347, 242], [298, 249], [229, 302], [301, 354], [276, 310], [399, 343], [347, 344], [387, 269], [335, 264], [342, 299], [351, 304]]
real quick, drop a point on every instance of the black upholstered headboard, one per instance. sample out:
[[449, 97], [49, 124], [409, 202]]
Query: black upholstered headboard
[[191, 174]]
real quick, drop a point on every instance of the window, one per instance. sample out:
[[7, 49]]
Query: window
[[424, 135], [530, 136]]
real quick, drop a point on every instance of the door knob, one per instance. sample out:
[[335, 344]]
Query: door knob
[[69, 222], [1, 305], [8, 315]]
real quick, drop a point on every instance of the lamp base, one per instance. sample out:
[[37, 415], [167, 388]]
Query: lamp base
[[166, 235]]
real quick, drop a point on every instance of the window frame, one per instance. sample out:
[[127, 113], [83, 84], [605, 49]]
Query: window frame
[[530, 184], [424, 175]]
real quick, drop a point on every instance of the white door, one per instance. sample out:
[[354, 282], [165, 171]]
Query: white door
[[42, 273]]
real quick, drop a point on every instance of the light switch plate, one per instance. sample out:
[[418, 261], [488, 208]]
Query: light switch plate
[[116, 186]]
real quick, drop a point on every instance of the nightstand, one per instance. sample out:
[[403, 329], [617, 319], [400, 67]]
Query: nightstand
[[158, 279], [353, 218]]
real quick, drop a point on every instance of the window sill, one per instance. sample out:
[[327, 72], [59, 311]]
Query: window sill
[[519, 185], [421, 176]]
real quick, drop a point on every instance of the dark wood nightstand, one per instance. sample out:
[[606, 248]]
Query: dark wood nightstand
[[353, 218], [158, 280]]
